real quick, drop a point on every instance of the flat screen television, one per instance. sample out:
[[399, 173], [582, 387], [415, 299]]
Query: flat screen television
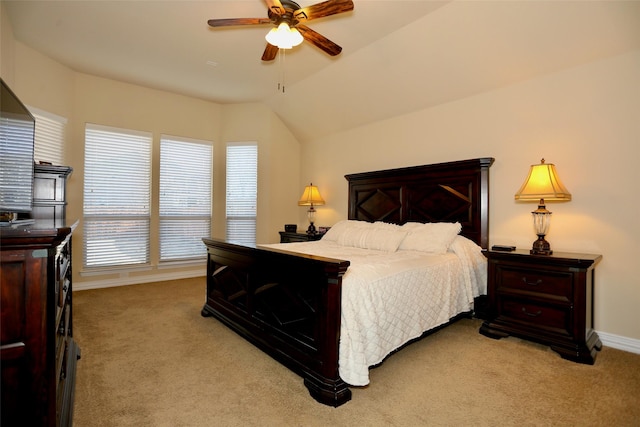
[[17, 132]]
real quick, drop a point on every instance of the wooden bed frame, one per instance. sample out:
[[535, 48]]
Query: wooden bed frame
[[289, 304]]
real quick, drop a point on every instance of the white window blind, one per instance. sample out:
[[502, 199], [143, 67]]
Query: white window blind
[[16, 163], [49, 140], [117, 194], [242, 192], [185, 197]]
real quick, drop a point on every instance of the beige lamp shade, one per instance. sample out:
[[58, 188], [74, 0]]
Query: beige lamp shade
[[543, 183], [311, 196]]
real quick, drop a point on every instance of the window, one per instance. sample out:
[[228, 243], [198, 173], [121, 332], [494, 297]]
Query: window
[[49, 138], [185, 197], [117, 187], [242, 192], [16, 159]]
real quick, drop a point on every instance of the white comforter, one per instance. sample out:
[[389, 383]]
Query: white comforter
[[390, 298]]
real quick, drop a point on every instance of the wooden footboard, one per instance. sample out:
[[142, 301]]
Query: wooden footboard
[[286, 304]]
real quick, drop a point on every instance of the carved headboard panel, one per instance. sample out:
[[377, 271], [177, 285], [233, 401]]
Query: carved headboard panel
[[443, 192]]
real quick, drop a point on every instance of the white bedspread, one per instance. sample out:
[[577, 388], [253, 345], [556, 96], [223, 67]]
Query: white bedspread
[[390, 298]]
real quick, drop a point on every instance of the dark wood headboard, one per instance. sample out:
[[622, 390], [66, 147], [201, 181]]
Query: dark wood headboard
[[443, 192]]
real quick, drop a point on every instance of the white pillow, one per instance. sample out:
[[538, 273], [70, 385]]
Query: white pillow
[[411, 226], [334, 233], [434, 237], [379, 239], [362, 234]]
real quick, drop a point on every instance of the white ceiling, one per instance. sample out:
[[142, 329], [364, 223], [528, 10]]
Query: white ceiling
[[398, 56]]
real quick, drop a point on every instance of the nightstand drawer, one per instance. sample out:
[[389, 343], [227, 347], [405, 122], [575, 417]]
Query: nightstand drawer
[[548, 299], [536, 316], [541, 283]]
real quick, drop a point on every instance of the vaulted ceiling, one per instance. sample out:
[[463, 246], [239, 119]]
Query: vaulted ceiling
[[398, 56]]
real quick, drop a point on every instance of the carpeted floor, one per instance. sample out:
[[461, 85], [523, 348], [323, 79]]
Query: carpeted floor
[[150, 359]]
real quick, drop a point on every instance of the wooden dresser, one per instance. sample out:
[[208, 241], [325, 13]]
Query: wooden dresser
[[37, 349], [49, 191], [544, 298]]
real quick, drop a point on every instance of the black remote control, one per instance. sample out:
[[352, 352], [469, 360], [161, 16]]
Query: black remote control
[[503, 248]]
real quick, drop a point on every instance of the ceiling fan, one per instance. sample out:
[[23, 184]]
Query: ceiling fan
[[293, 16]]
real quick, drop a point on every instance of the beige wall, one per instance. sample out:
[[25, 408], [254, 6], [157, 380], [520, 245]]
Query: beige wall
[[278, 165], [585, 120], [6, 47], [43, 83], [112, 103]]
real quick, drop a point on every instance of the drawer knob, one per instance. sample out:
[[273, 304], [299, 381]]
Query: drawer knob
[[536, 283], [528, 313]]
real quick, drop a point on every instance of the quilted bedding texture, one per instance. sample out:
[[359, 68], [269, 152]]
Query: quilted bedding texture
[[390, 298]]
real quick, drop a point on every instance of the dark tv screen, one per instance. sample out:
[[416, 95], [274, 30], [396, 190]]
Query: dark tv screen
[[17, 131]]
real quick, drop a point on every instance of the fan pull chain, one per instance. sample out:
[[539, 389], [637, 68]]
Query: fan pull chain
[[281, 65]]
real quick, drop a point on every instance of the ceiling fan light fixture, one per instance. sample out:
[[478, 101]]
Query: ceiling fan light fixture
[[284, 37]]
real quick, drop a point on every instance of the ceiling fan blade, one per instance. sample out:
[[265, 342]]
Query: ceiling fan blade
[[270, 52], [319, 40], [275, 6], [320, 10], [237, 21]]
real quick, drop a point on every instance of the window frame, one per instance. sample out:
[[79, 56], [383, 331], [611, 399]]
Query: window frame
[[194, 196], [137, 221]]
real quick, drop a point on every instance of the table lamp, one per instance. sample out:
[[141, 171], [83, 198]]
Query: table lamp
[[310, 197], [542, 184]]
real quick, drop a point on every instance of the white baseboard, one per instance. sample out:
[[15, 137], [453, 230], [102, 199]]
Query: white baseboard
[[125, 280], [620, 342]]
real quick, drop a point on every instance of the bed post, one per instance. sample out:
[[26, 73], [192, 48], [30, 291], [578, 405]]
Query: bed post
[[331, 389], [485, 164]]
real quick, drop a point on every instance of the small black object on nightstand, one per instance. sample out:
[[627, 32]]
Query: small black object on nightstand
[[503, 248]]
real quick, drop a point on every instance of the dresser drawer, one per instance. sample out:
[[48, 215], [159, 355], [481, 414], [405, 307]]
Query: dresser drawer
[[62, 333], [546, 284], [556, 319], [63, 273]]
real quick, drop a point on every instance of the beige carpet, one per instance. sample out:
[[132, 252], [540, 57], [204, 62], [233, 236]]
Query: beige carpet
[[150, 359]]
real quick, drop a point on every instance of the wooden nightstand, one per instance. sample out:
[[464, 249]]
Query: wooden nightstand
[[289, 237], [547, 299]]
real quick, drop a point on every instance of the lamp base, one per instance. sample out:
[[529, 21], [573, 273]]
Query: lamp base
[[311, 229], [541, 246]]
